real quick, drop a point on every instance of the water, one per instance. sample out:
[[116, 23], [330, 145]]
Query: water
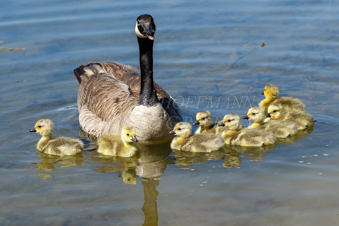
[[207, 56]]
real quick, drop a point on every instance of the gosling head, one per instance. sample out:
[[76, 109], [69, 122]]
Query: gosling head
[[231, 121], [255, 114], [43, 127], [275, 111], [128, 134], [145, 27], [182, 129], [204, 119], [271, 92]]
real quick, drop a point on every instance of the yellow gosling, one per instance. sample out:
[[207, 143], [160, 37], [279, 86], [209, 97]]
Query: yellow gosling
[[271, 93], [185, 141], [280, 129], [55, 146], [118, 145], [301, 118], [237, 135], [204, 121]]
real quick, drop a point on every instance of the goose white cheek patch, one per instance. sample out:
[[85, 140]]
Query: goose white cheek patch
[[138, 32]]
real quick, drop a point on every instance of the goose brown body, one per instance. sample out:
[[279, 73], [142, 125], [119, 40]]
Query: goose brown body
[[112, 95]]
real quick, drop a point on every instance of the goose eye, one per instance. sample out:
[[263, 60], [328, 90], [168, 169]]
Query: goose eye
[[253, 113], [39, 126], [127, 134], [179, 129], [229, 120], [203, 119], [274, 111]]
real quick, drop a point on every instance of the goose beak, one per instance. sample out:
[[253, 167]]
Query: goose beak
[[149, 31], [196, 123], [246, 117], [172, 132], [134, 139], [268, 115], [33, 130], [221, 124]]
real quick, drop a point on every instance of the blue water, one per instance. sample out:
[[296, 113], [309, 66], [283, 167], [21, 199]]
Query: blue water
[[207, 55]]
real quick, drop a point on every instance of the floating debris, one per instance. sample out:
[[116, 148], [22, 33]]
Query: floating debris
[[192, 169], [304, 156], [204, 182], [3, 48], [301, 162], [1, 41], [308, 163], [327, 145], [320, 174], [262, 44], [315, 155], [325, 155]]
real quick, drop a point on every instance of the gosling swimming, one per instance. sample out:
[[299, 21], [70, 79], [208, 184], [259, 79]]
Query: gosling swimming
[[271, 93], [301, 118], [118, 145], [237, 135], [280, 129], [55, 146], [204, 121], [185, 141]]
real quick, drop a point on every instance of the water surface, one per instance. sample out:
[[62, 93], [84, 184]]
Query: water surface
[[208, 57]]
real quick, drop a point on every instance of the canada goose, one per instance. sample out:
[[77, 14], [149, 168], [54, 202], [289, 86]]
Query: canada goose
[[237, 135], [55, 146], [280, 129], [203, 120], [271, 93], [112, 95], [301, 118], [185, 141], [118, 145]]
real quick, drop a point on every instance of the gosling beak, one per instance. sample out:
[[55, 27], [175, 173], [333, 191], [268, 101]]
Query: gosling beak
[[172, 132], [149, 31], [134, 139], [268, 115], [262, 93], [196, 123], [221, 124], [33, 130], [246, 117]]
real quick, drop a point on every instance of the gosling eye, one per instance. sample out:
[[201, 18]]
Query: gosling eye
[[203, 119], [39, 126], [253, 113], [274, 111], [127, 134], [229, 120], [179, 129]]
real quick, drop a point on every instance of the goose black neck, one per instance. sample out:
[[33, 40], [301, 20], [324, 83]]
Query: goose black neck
[[148, 96]]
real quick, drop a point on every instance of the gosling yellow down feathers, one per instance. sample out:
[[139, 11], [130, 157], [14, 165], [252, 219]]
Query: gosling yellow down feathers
[[237, 135], [185, 141], [204, 121], [280, 129], [55, 146], [118, 145]]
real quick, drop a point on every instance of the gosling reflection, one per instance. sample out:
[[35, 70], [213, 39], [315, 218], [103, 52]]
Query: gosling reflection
[[48, 163], [184, 158]]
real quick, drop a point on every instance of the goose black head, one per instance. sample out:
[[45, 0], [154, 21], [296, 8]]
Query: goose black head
[[145, 27]]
